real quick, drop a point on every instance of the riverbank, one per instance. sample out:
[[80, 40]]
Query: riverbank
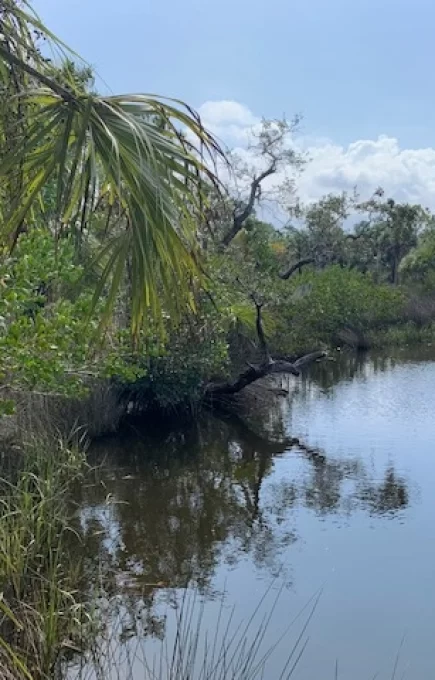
[[102, 407], [405, 334]]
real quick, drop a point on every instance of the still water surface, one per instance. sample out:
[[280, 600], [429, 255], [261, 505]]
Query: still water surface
[[236, 507]]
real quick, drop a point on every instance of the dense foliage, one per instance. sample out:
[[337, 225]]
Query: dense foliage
[[49, 340], [121, 260]]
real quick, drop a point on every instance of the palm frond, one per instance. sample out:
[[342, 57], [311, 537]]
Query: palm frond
[[153, 153]]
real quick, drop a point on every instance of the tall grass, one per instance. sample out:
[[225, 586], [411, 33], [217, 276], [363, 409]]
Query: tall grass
[[192, 649], [401, 335], [40, 613]]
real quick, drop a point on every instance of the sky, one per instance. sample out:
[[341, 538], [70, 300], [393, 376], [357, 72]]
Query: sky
[[359, 71]]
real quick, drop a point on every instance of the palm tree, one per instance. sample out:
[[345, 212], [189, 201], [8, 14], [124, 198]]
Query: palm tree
[[141, 159]]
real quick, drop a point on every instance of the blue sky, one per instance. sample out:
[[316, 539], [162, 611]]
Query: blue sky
[[355, 69]]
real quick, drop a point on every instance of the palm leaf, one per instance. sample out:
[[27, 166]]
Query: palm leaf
[[149, 150]]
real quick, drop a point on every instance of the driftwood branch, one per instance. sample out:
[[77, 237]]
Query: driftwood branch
[[254, 373], [251, 375], [240, 218], [267, 367], [297, 266]]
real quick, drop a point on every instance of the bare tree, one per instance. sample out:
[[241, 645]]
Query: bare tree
[[273, 151]]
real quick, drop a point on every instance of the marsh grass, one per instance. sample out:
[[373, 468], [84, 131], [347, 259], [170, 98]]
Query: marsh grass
[[231, 647], [40, 611], [401, 335]]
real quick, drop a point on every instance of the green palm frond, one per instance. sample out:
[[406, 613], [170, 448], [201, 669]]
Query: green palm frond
[[150, 151]]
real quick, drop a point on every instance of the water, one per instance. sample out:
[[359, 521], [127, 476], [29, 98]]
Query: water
[[236, 507]]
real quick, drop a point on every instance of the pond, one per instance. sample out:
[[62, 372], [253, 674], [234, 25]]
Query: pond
[[320, 502]]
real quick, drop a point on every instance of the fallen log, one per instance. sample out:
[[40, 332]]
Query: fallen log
[[256, 372]]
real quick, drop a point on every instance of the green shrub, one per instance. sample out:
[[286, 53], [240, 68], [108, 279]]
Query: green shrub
[[320, 303]]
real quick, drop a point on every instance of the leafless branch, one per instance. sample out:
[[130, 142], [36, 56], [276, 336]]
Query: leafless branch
[[297, 266], [308, 359], [239, 218], [355, 237], [254, 373]]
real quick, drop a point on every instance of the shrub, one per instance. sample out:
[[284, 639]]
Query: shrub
[[320, 303]]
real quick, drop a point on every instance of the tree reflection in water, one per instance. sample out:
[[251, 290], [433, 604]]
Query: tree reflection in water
[[164, 512]]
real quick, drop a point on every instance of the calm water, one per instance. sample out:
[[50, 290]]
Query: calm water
[[234, 508]]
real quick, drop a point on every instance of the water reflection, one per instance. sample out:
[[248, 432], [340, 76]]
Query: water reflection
[[236, 501], [347, 365], [169, 512], [229, 503]]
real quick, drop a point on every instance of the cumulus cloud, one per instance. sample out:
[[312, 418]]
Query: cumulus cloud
[[404, 174], [228, 120]]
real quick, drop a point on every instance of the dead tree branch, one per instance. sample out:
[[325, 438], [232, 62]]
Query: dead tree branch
[[251, 375], [355, 237], [297, 266], [309, 359], [254, 373], [239, 218], [268, 366]]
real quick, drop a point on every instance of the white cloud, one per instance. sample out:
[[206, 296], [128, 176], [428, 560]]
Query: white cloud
[[404, 174], [224, 111], [228, 120]]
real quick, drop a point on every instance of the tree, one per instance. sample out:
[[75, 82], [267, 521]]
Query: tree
[[321, 239], [393, 229], [123, 151], [272, 150], [323, 225], [418, 266]]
